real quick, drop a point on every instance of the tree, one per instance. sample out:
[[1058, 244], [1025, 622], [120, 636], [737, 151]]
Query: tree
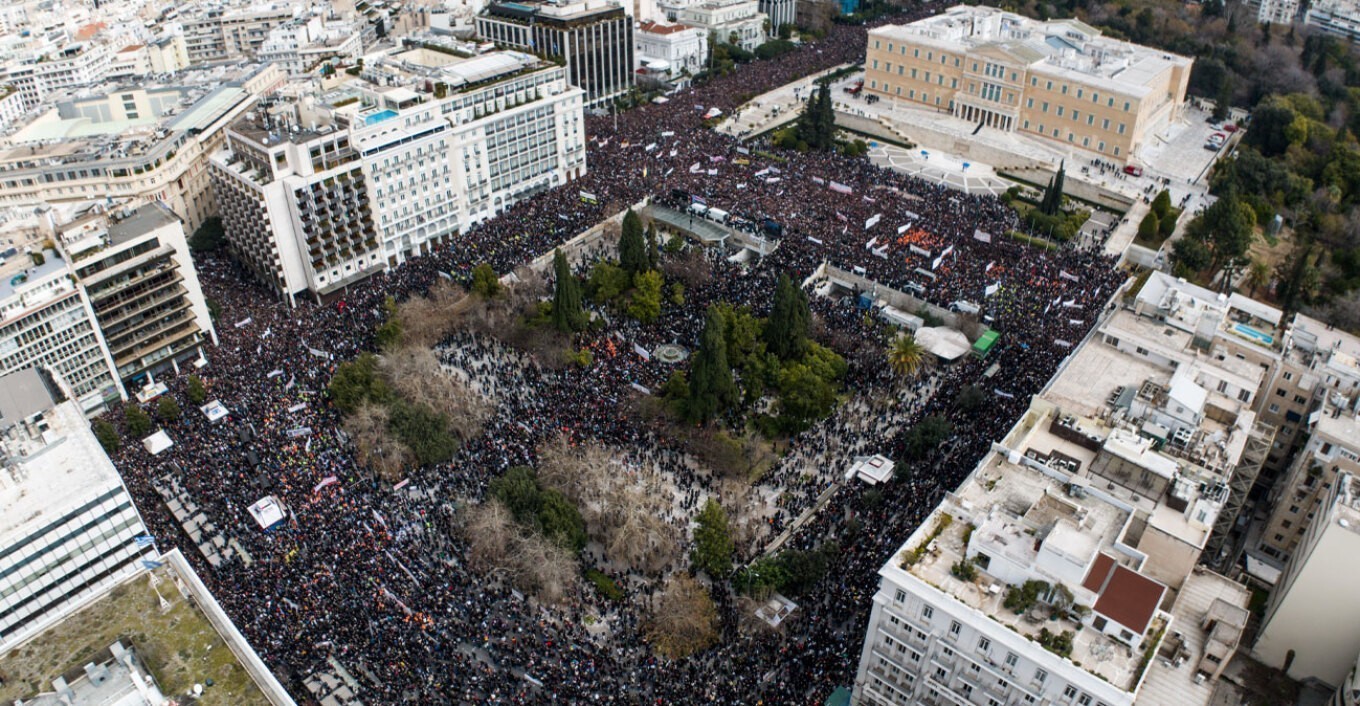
[[632, 245], [425, 431], [712, 551], [646, 302], [209, 237], [653, 251], [485, 282], [1228, 226], [107, 436], [786, 330], [1223, 99], [710, 383], [357, 381], [606, 282], [138, 423], [1162, 204], [906, 355], [1190, 257], [804, 397], [560, 521], [518, 490], [568, 314], [925, 436], [1258, 276], [816, 127], [1051, 202], [167, 409], [196, 391], [970, 398], [1149, 227], [684, 621], [388, 334], [1275, 125]]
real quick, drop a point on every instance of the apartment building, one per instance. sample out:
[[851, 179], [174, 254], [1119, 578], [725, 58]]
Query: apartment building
[[135, 269], [299, 47], [736, 22], [321, 193], [47, 322], [162, 56], [1059, 80], [1309, 395], [68, 526], [1336, 17], [141, 142], [1074, 548], [76, 64], [1311, 628], [11, 107], [1281, 12], [594, 38]]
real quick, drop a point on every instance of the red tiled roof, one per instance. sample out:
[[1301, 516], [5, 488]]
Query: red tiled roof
[[1129, 598], [1100, 572], [654, 28]]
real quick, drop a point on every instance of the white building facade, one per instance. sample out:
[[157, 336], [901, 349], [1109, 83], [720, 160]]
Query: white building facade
[[736, 22], [68, 529]]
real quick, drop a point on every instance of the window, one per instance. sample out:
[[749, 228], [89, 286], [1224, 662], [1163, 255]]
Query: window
[[1084, 700], [1244, 395], [1060, 111], [1280, 392], [927, 612], [900, 595], [984, 644], [1040, 675], [1029, 102], [1274, 409], [1286, 524], [1011, 659], [1121, 128], [1045, 106], [1300, 399], [1289, 376], [1069, 691], [1279, 538], [941, 674], [954, 628], [1126, 108], [1293, 509]]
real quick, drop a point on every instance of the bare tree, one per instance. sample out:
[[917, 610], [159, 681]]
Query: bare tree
[[683, 619], [425, 321], [375, 445], [500, 548], [415, 374]]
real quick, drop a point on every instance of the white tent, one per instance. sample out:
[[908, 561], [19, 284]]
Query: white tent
[[158, 442], [214, 410], [944, 343], [871, 469], [267, 511]]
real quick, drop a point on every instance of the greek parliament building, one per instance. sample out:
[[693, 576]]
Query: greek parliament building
[[320, 191], [1057, 80], [594, 39]]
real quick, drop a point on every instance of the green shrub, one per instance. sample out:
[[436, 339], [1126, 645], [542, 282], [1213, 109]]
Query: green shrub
[[107, 436], [604, 585]]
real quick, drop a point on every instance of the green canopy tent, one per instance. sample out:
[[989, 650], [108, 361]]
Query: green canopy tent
[[983, 346]]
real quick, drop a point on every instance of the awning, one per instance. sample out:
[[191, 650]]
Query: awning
[[158, 442]]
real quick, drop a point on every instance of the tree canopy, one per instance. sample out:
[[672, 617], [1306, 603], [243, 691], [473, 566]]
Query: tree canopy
[[568, 313]]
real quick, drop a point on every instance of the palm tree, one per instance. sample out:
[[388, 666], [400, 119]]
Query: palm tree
[[906, 356], [1258, 276]]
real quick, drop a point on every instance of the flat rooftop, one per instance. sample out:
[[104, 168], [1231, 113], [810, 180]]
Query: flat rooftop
[[49, 474], [139, 223], [1063, 47], [1168, 684], [1018, 509], [179, 646]]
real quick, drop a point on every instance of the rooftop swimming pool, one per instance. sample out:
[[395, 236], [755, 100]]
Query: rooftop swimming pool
[[1262, 338], [380, 116]]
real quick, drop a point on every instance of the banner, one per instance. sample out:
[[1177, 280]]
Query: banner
[[298, 407], [642, 352], [841, 217], [819, 180], [936, 264], [814, 240], [982, 235], [713, 172], [882, 252], [1067, 276], [695, 198], [841, 188], [1076, 322], [903, 228], [1007, 395], [328, 480], [587, 197], [318, 353], [649, 148], [859, 270], [274, 373], [873, 221], [1062, 343], [300, 431], [695, 168], [993, 289], [919, 251], [243, 322], [988, 268], [870, 245], [740, 150], [639, 388]]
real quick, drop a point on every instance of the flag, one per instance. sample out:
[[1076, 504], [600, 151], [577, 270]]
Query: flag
[[149, 564], [144, 540]]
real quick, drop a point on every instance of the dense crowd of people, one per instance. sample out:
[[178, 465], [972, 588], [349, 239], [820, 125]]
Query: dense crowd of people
[[373, 578]]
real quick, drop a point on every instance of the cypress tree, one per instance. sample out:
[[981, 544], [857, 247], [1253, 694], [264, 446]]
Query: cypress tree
[[826, 119], [653, 253], [806, 129], [787, 328], [567, 312], [632, 248], [710, 381]]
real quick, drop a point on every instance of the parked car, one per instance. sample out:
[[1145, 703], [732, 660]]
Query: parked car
[[1133, 170], [1230, 127]]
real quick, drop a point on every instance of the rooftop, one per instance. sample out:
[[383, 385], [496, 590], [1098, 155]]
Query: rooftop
[[179, 646], [1032, 527], [1056, 46], [23, 393], [1203, 594], [49, 472]]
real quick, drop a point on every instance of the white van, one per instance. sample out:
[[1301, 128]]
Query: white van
[[698, 209], [965, 307], [718, 215]]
